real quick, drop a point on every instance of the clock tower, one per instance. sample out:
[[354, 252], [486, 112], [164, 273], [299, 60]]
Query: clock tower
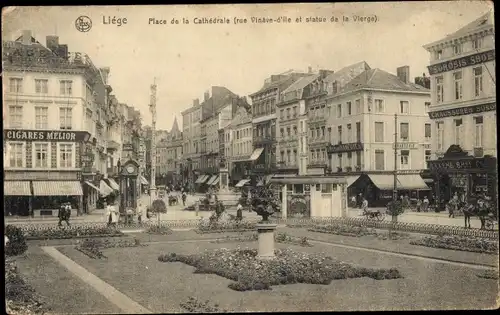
[[128, 186]]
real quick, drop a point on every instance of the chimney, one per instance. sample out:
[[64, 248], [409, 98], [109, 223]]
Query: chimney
[[52, 42], [404, 74], [309, 69], [196, 102], [206, 96], [62, 51], [26, 37]]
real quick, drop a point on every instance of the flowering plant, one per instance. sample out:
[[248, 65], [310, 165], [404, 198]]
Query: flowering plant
[[264, 202]]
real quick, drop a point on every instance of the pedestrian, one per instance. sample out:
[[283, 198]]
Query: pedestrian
[[184, 197], [107, 213], [353, 201], [364, 206], [239, 212], [419, 204], [68, 212], [63, 214], [425, 204], [139, 212], [112, 214]]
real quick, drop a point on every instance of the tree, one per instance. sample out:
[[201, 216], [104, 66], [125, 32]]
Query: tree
[[395, 208]]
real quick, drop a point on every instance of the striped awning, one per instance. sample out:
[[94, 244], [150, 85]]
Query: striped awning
[[215, 181], [256, 153], [113, 184], [242, 183], [16, 188], [412, 182], [201, 179], [211, 179], [105, 189], [57, 188], [93, 186], [351, 179], [143, 180], [383, 182]]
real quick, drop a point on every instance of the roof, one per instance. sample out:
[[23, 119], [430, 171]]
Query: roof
[[175, 126], [282, 82], [301, 83], [382, 80], [485, 19], [348, 73], [241, 117]]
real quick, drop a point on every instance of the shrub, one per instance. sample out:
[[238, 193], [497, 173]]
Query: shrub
[[468, 244], [159, 229], [17, 241], [395, 208], [193, 305], [159, 206]]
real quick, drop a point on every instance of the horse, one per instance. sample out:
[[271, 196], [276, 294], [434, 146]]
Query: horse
[[481, 211]]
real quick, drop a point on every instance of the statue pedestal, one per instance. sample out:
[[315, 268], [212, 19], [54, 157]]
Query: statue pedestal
[[266, 240]]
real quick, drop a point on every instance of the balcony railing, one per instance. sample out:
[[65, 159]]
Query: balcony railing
[[264, 139], [318, 140], [287, 138], [316, 118], [318, 163]]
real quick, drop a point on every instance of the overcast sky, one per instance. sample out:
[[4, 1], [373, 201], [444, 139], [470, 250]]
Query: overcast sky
[[188, 59]]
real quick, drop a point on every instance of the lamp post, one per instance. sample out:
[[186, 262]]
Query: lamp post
[[120, 177], [395, 191], [152, 107]]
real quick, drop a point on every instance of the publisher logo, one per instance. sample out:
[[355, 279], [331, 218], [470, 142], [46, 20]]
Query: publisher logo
[[83, 23]]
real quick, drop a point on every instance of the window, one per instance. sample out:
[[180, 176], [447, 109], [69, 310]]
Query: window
[[457, 49], [427, 132], [15, 85], [349, 108], [427, 106], [358, 131], [439, 89], [65, 117], [458, 131], [288, 157], [294, 111], [349, 159], [428, 155], [379, 106], [339, 110], [358, 158], [287, 113], [41, 117], [439, 54], [66, 87], [404, 107], [349, 133], [478, 81], [405, 158], [41, 86], [288, 132], [340, 160], [65, 155], [477, 43], [313, 155], [457, 76], [358, 107], [379, 132], [16, 154], [339, 131], [478, 132], [15, 116], [41, 155], [379, 160], [404, 130], [295, 130]]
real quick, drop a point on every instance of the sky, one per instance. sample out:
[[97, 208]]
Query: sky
[[187, 59]]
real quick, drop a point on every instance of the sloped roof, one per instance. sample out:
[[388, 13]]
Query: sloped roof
[[241, 117], [301, 83], [380, 79], [348, 73], [485, 19], [175, 126]]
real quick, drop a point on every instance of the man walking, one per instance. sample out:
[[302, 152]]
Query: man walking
[[64, 213]]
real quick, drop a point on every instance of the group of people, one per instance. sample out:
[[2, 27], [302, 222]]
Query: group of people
[[64, 213]]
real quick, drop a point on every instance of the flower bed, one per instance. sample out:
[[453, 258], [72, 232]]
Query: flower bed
[[279, 237], [193, 305], [227, 226], [289, 267], [159, 229], [20, 297], [343, 229], [34, 233], [93, 247], [489, 274], [468, 244]]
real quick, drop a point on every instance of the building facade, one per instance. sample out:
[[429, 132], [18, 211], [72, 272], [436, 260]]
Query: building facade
[[363, 127], [174, 154], [55, 128], [463, 110], [191, 129], [240, 146]]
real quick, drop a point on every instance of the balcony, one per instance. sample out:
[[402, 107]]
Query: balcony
[[285, 139], [264, 139], [318, 118], [317, 163], [286, 165], [319, 140]]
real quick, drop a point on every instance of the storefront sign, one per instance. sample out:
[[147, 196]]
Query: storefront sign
[[128, 147], [464, 164], [476, 109], [462, 62], [45, 135], [345, 147], [405, 145]]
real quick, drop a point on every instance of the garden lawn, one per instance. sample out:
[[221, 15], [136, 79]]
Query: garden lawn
[[161, 287], [62, 291]]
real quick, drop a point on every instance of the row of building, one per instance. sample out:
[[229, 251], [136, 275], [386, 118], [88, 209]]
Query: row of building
[[65, 132], [343, 123]]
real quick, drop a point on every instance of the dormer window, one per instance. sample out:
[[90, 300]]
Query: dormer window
[[439, 54], [457, 49]]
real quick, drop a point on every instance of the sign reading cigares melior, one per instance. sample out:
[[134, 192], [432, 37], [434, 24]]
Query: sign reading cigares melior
[[45, 135], [463, 62]]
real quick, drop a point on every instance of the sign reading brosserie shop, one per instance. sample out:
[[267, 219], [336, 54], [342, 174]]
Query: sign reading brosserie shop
[[476, 109], [463, 62], [45, 135]]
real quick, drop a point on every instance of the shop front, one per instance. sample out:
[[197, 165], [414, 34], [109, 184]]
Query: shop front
[[458, 173]]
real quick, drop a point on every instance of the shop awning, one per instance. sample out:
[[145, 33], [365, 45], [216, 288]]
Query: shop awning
[[383, 182], [93, 186], [242, 183], [215, 181], [412, 182], [113, 184], [256, 153], [105, 189], [57, 188], [351, 179], [143, 180], [201, 179], [309, 180], [211, 179], [16, 188]]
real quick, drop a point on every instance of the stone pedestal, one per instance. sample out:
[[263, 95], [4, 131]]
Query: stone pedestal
[[266, 240], [224, 179]]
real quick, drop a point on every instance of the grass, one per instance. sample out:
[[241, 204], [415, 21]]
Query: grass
[[161, 287]]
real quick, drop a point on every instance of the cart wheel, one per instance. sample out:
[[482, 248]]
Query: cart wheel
[[381, 216]]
